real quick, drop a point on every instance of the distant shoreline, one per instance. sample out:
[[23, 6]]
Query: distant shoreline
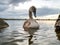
[[35, 19]]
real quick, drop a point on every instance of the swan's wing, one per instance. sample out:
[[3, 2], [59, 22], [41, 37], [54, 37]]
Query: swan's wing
[[26, 23]]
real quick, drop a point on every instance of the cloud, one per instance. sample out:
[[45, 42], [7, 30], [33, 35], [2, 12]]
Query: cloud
[[51, 0], [4, 4], [19, 14], [3, 7], [47, 11], [46, 7], [14, 14], [51, 3], [13, 2]]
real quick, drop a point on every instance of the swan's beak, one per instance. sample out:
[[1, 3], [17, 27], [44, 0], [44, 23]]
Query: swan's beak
[[35, 13]]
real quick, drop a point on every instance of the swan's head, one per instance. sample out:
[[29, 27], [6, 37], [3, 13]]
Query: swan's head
[[33, 10]]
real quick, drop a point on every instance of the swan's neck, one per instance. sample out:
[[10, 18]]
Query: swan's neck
[[30, 15]]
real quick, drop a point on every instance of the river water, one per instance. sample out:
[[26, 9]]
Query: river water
[[15, 34]]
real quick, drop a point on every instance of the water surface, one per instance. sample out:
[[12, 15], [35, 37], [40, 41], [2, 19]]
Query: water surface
[[15, 34]]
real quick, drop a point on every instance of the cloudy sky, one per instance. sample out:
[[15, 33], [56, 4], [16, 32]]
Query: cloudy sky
[[39, 4], [25, 4], [17, 7]]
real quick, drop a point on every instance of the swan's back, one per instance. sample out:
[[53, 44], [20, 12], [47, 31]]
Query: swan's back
[[30, 24]]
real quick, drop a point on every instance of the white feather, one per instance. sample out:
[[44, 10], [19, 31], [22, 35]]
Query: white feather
[[33, 24]]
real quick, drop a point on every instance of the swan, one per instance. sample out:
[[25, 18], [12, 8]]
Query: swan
[[57, 24], [31, 23]]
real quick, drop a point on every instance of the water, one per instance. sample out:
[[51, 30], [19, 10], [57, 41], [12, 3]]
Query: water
[[15, 34]]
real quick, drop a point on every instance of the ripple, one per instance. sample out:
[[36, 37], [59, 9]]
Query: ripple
[[15, 35]]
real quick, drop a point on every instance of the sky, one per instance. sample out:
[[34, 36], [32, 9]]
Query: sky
[[17, 7], [39, 4], [26, 4]]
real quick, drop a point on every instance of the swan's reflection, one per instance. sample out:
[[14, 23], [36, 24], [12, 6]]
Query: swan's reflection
[[31, 32]]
